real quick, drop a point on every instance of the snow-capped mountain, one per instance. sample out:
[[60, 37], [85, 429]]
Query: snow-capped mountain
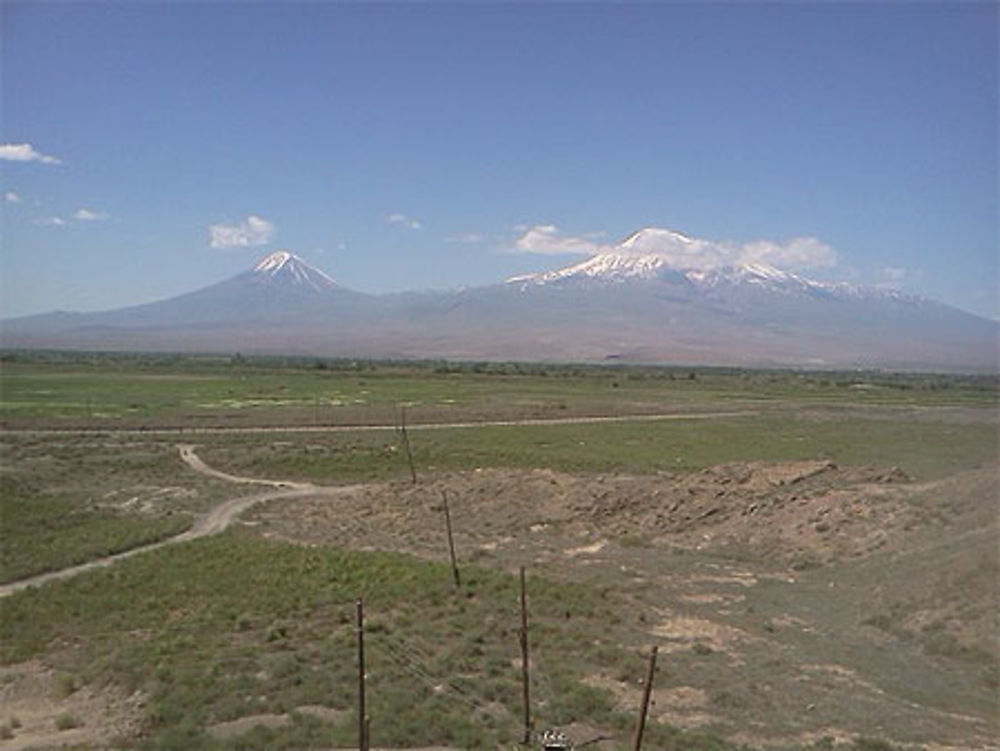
[[661, 255], [286, 268], [658, 296], [280, 289], [604, 267]]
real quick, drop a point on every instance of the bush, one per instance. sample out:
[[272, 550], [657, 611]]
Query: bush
[[64, 685], [67, 721]]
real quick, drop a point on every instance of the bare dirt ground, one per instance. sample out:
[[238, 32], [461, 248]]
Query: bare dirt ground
[[48, 712], [799, 514]]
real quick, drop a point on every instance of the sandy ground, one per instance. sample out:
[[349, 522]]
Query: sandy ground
[[34, 699]]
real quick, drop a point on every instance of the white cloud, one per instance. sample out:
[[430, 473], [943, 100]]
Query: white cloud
[[681, 251], [11, 197], [86, 215], [50, 221], [24, 152], [547, 239], [406, 221], [797, 253], [251, 232]]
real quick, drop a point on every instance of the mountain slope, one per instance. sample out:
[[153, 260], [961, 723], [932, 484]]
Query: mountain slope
[[281, 288], [644, 300]]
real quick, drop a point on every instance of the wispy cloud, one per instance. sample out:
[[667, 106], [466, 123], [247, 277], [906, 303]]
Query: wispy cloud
[[797, 253], [681, 251], [251, 232], [86, 215], [894, 277], [548, 239], [406, 221], [11, 197], [50, 221], [467, 238], [24, 152]]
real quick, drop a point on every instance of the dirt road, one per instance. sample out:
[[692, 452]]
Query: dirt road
[[211, 523], [374, 427]]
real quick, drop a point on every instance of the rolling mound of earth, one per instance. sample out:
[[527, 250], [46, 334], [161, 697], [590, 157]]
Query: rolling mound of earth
[[800, 514], [793, 602]]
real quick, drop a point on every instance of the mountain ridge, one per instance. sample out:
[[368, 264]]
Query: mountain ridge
[[619, 304]]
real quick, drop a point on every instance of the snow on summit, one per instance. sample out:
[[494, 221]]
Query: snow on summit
[[665, 255], [274, 262], [649, 253], [285, 266]]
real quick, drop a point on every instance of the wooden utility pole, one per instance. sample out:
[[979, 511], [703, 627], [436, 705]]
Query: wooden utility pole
[[525, 672], [362, 717], [406, 443], [647, 692], [451, 540]]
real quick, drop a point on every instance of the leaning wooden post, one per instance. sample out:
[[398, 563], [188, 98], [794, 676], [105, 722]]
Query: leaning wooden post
[[525, 673], [406, 443], [362, 718], [637, 744], [451, 541]]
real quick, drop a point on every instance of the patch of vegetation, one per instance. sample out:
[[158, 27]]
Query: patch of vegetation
[[67, 721], [232, 626], [65, 685], [65, 500], [924, 450], [102, 390], [46, 534]]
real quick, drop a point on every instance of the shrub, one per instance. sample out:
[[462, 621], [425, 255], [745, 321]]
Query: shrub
[[64, 685], [67, 721]]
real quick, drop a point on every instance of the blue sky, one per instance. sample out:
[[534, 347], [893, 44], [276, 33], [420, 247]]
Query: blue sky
[[149, 149]]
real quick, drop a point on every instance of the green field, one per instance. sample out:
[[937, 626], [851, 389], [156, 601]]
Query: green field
[[104, 391], [254, 618], [241, 625], [924, 450]]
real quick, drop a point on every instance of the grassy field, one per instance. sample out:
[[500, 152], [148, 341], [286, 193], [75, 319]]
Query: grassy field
[[108, 391], [237, 625], [924, 449], [43, 534], [258, 626], [68, 499]]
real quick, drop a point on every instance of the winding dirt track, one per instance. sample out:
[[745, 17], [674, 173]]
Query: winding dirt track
[[211, 523], [220, 517]]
